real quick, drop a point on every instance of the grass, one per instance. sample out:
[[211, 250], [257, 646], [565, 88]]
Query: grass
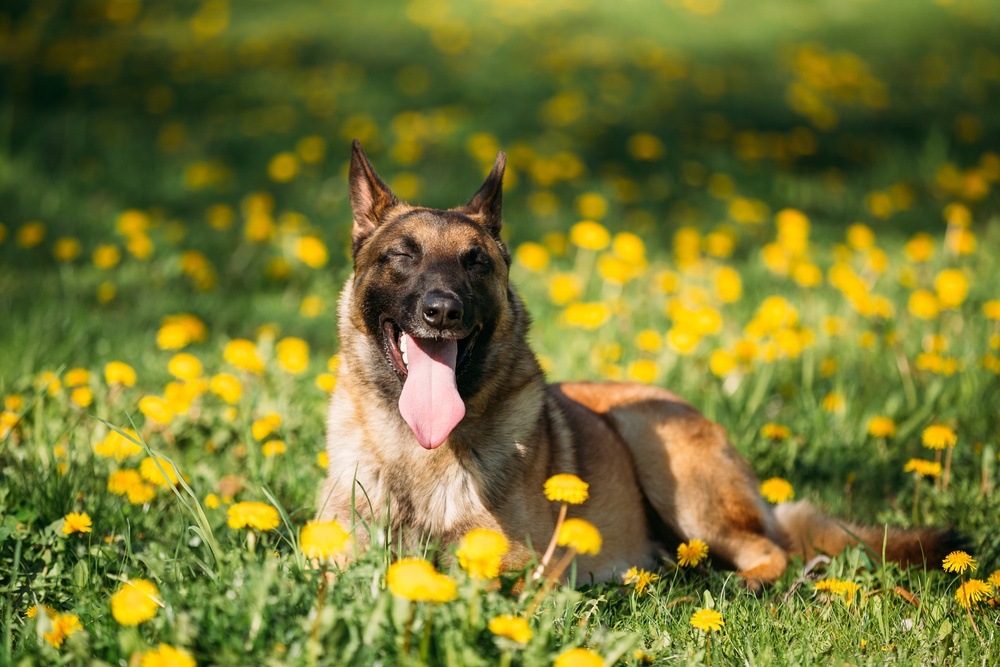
[[723, 136]]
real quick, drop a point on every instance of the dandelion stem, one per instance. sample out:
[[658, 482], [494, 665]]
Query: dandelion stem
[[916, 500], [320, 603], [425, 640], [549, 550], [937, 460], [550, 580], [408, 630], [968, 610], [946, 477]]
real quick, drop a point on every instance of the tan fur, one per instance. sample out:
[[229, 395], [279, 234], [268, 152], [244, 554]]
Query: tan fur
[[639, 447]]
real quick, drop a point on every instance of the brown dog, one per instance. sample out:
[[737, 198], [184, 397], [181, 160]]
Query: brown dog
[[442, 420]]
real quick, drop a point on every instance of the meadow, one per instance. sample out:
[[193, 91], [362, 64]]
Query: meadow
[[784, 211]]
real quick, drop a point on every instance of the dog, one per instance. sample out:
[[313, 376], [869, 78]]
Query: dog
[[442, 420]]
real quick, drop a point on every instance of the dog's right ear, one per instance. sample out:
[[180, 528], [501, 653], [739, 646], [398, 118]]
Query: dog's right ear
[[370, 196]]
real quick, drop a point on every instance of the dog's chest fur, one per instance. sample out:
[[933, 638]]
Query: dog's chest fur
[[439, 492]]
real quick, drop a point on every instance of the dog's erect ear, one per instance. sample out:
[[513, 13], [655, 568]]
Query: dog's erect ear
[[486, 205], [370, 196]]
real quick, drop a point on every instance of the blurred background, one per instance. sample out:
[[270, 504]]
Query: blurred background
[[165, 156]]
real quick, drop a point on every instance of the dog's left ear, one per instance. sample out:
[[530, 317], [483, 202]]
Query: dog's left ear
[[370, 196], [486, 205]]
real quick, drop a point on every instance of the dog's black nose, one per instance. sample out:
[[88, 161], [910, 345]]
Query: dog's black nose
[[442, 311]]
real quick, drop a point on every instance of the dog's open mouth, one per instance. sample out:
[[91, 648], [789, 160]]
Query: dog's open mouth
[[395, 343], [429, 368]]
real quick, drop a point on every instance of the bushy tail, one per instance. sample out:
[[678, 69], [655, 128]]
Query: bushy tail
[[809, 531]]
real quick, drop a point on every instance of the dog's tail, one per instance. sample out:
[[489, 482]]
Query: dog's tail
[[809, 532]]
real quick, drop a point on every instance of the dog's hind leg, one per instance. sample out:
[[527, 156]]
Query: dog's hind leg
[[696, 482]]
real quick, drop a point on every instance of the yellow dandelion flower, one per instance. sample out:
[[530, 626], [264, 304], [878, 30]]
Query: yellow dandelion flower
[[825, 585], [165, 655], [416, 579], [156, 409], [951, 286], [49, 610], [586, 315], [312, 252], [629, 248], [645, 146], [50, 382], [691, 553], [293, 355], [639, 579], [881, 427], [76, 522], [253, 514], [683, 339], [227, 387], [140, 494], [846, 589], [972, 592], [833, 402], [614, 270], [721, 363], [118, 372], [265, 426], [283, 167], [63, 625], [243, 354], [30, 234], [273, 448], [185, 366], [566, 488], [590, 235], [76, 377], [532, 256], [120, 481], [939, 436], [775, 432], [117, 446], [158, 470], [959, 561], [514, 628], [994, 579], [578, 657], [643, 370], [923, 468], [311, 306], [82, 396], [776, 490], [923, 304], [564, 288], [106, 256], [707, 620], [728, 285], [212, 501], [135, 602], [580, 535], [326, 382], [648, 340], [991, 310], [481, 551], [66, 249], [323, 539], [172, 336]]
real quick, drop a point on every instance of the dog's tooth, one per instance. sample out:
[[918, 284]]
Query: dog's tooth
[[402, 349]]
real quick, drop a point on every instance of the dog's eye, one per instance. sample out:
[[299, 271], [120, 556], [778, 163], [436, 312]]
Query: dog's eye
[[476, 259], [397, 255]]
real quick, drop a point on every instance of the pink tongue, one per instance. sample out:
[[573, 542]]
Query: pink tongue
[[430, 403]]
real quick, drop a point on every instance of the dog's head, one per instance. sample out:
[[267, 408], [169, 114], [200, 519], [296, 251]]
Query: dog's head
[[430, 289]]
